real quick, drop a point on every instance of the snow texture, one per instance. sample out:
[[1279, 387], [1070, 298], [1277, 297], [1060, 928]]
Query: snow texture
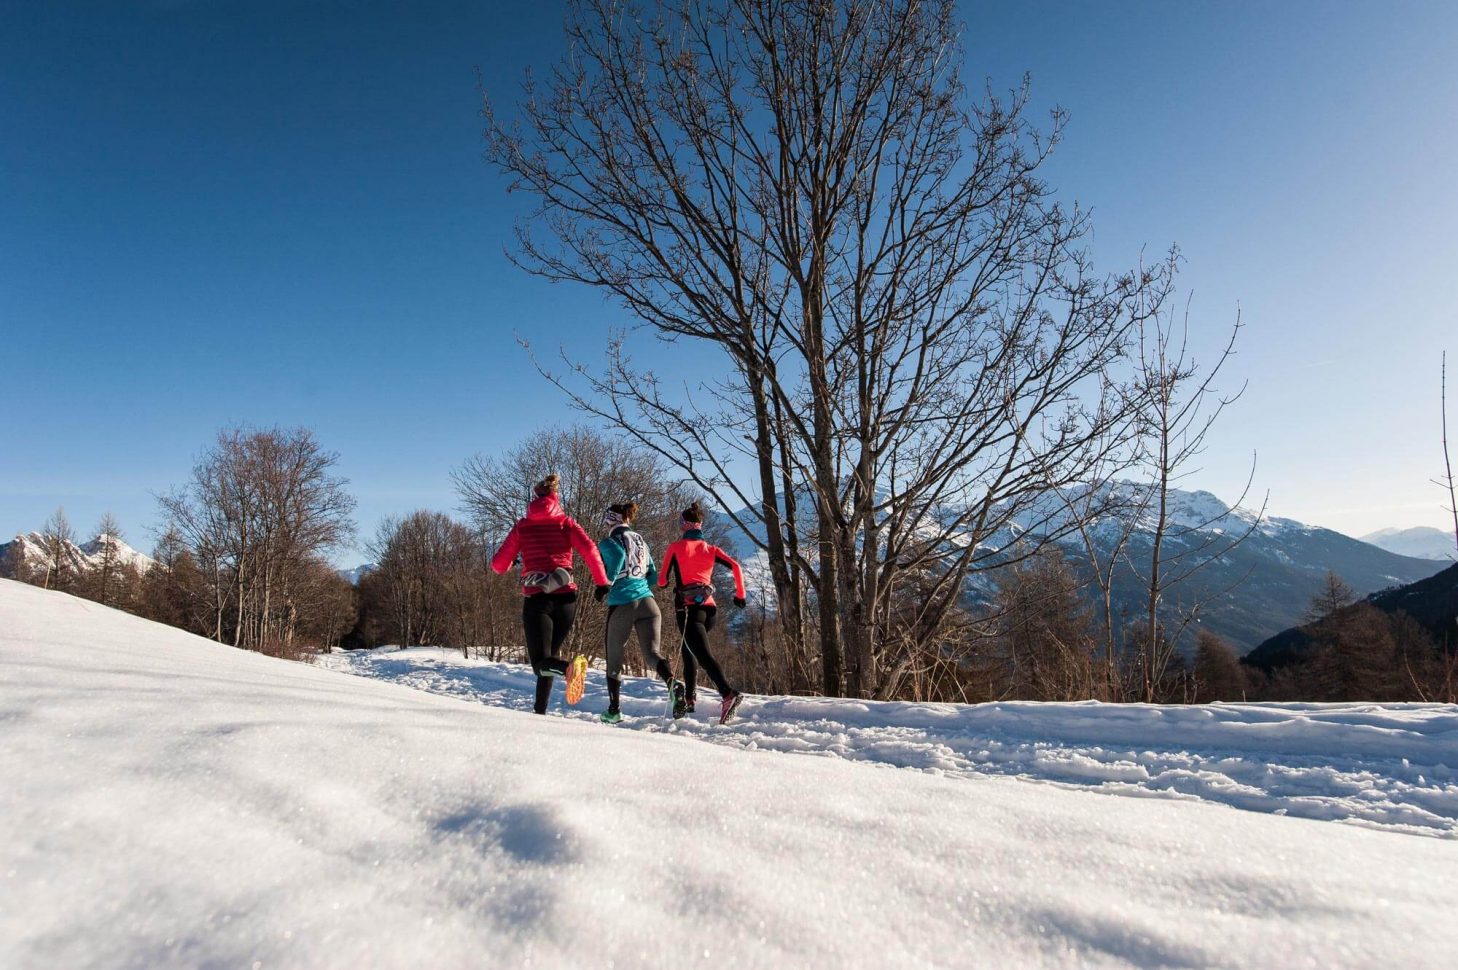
[[1390, 766], [171, 802]]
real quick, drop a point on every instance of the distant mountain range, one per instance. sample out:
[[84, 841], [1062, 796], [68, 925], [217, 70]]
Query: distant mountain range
[[30, 550], [1422, 542], [1255, 589]]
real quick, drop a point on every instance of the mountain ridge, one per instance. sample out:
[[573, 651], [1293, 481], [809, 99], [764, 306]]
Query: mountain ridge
[[1251, 590]]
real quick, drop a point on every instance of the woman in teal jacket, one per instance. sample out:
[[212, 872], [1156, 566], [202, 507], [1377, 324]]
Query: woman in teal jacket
[[631, 606]]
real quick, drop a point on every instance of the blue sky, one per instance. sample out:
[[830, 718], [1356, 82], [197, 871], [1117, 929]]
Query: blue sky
[[217, 212]]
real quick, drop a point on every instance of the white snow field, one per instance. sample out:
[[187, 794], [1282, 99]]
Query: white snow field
[[171, 802], [1390, 766]]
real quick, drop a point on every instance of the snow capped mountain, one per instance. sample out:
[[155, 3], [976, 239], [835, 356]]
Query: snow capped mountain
[[95, 552], [1247, 592], [29, 550], [353, 576], [1422, 542]]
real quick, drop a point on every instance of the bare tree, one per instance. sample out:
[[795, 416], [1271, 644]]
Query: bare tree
[[324, 605], [1043, 647], [428, 568], [261, 506], [1177, 405], [1447, 481], [108, 538], [918, 344], [58, 544]]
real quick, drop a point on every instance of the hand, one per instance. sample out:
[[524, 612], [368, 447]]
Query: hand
[[599, 592], [740, 602]]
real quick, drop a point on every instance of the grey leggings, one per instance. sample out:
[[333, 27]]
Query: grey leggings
[[641, 615]]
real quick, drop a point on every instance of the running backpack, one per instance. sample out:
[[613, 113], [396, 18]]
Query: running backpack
[[635, 556]]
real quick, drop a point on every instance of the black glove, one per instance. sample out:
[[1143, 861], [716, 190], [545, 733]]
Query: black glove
[[740, 602], [600, 592]]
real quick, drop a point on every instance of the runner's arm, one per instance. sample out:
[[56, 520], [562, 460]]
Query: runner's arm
[[724, 559], [506, 555]]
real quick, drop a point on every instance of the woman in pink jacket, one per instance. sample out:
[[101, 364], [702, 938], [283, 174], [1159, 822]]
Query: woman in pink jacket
[[545, 539], [690, 563]]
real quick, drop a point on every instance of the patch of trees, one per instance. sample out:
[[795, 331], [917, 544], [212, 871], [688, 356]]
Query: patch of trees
[[257, 519], [1355, 650]]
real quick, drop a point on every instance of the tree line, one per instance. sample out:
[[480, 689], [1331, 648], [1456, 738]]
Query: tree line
[[241, 557]]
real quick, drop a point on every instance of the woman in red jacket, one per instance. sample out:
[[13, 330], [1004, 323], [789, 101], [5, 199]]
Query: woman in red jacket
[[545, 539], [691, 561]]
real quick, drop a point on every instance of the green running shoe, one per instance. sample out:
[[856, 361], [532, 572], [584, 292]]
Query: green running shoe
[[611, 716]]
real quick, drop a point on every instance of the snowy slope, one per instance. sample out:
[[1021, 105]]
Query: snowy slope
[[170, 802]]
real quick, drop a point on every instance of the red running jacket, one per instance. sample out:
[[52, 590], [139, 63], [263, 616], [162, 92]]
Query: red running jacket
[[692, 562], [545, 539]]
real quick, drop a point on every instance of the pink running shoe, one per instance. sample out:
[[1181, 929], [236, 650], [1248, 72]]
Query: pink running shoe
[[729, 706]]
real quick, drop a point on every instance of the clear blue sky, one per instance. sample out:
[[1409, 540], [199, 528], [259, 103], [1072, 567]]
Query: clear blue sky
[[219, 211]]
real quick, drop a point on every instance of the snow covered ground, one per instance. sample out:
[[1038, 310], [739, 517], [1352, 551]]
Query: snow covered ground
[[170, 802], [1390, 766]]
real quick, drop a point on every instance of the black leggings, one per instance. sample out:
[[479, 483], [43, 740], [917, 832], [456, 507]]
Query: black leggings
[[546, 618], [695, 622]]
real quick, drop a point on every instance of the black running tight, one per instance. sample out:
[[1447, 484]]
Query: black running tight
[[695, 622], [546, 618]]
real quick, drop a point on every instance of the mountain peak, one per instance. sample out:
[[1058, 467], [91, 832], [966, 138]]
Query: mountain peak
[[1419, 542]]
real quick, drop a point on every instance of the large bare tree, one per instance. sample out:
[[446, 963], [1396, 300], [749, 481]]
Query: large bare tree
[[918, 344], [261, 507]]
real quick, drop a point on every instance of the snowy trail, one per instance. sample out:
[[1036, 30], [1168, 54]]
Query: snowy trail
[[169, 802], [1385, 766]]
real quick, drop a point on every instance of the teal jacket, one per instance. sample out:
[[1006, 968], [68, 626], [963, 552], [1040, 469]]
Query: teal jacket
[[630, 566]]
